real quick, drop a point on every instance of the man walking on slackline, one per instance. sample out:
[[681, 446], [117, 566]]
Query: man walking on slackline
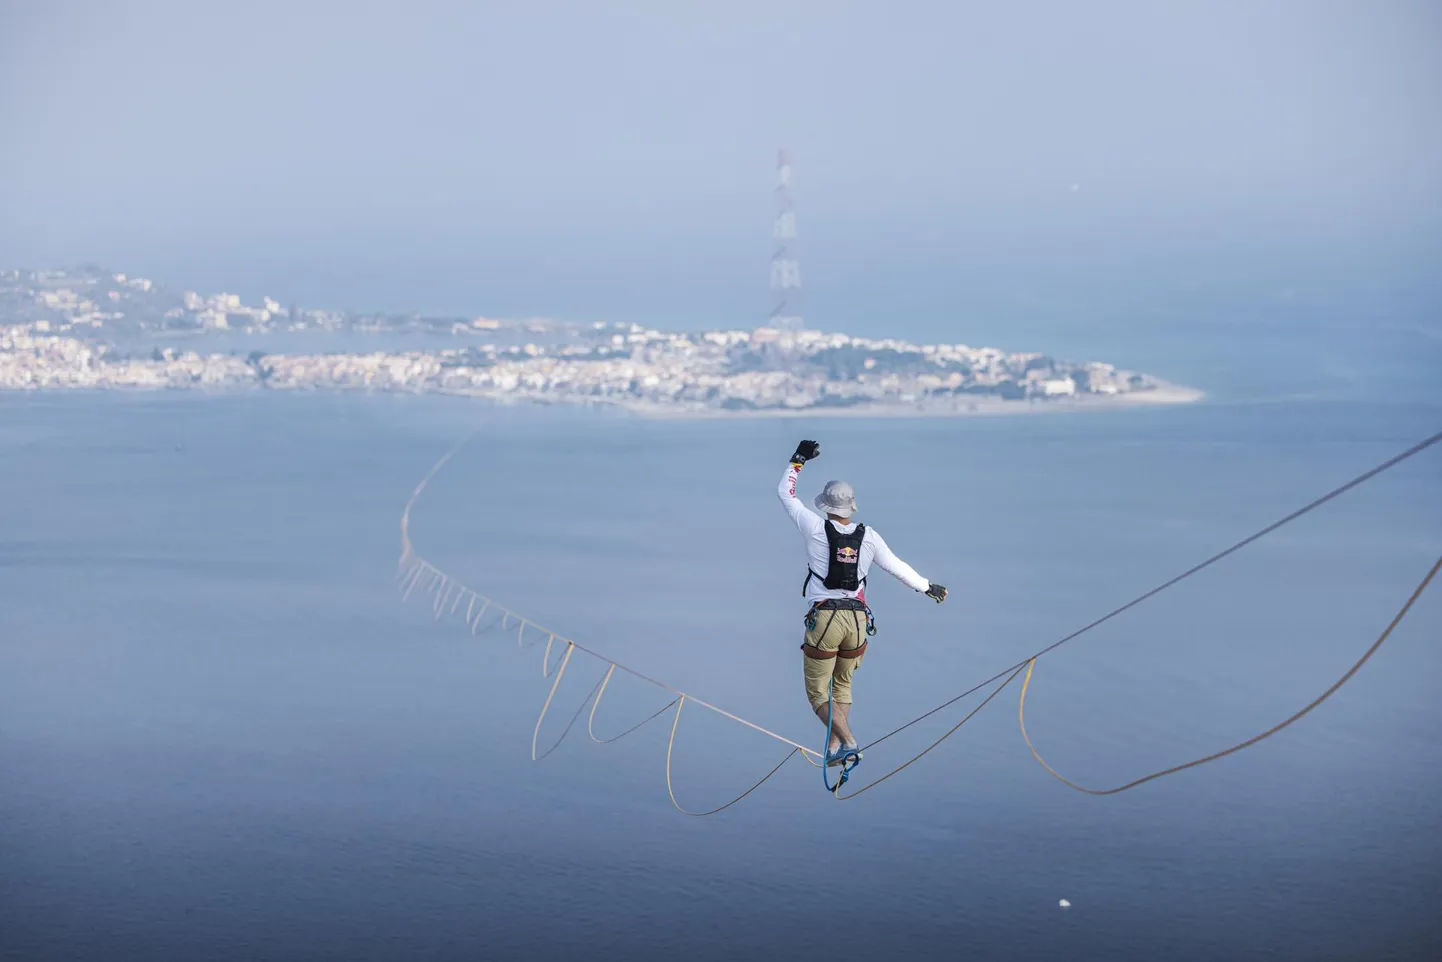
[[839, 554]]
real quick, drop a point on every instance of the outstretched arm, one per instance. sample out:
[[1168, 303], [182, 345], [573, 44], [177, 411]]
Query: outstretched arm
[[903, 572]]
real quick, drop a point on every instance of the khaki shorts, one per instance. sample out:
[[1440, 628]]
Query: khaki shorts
[[836, 633]]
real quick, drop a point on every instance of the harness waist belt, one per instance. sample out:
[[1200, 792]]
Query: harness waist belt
[[841, 604]]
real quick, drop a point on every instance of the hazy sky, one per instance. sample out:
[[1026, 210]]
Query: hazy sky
[[591, 159]]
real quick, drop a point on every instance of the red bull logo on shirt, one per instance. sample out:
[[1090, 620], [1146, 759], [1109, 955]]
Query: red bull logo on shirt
[[847, 555]]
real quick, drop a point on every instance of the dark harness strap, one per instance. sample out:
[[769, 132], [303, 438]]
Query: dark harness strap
[[841, 604], [811, 574], [811, 651]]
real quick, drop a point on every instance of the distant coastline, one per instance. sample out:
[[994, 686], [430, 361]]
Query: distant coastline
[[1162, 395], [60, 330]]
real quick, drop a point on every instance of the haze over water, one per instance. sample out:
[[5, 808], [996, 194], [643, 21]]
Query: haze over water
[[222, 735]]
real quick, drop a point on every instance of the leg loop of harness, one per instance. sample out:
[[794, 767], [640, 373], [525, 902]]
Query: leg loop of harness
[[811, 651]]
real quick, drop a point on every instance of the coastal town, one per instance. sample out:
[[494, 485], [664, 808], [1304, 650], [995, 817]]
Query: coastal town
[[64, 330]]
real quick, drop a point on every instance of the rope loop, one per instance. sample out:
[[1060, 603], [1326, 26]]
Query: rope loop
[[1230, 749], [414, 571]]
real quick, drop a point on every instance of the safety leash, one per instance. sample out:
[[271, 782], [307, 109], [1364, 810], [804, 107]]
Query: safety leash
[[851, 760]]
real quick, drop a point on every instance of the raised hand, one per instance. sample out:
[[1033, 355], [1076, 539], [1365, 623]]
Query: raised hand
[[936, 592], [805, 451]]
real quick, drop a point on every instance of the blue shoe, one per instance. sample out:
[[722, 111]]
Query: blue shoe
[[841, 755]]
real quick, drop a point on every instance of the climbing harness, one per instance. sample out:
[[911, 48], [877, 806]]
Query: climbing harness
[[839, 604], [832, 606], [447, 594]]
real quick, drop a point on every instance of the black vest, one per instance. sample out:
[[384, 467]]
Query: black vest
[[843, 560]]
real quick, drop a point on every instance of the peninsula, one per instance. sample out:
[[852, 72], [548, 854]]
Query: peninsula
[[69, 329]]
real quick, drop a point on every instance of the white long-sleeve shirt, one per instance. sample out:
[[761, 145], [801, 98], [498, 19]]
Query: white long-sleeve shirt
[[818, 550]]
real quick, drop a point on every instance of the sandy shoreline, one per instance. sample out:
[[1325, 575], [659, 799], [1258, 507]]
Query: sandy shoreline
[[1164, 394]]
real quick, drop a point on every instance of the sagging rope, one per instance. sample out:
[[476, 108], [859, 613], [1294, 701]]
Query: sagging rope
[[1011, 672], [1362, 478], [591, 722], [1386, 632], [415, 569]]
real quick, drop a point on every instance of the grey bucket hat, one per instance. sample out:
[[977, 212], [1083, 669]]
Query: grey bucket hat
[[836, 498]]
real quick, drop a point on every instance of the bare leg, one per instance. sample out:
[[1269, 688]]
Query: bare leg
[[844, 713], [840, 725]]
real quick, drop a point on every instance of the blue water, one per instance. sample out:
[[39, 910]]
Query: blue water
[[222, 736]]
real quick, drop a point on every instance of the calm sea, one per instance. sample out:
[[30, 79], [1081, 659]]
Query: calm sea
[[222, 736]]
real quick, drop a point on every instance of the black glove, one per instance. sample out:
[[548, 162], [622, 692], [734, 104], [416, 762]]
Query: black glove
[[936, 592], [805, 451]]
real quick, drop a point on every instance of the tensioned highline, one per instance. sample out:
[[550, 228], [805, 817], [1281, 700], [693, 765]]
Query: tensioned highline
[[447, 594]]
